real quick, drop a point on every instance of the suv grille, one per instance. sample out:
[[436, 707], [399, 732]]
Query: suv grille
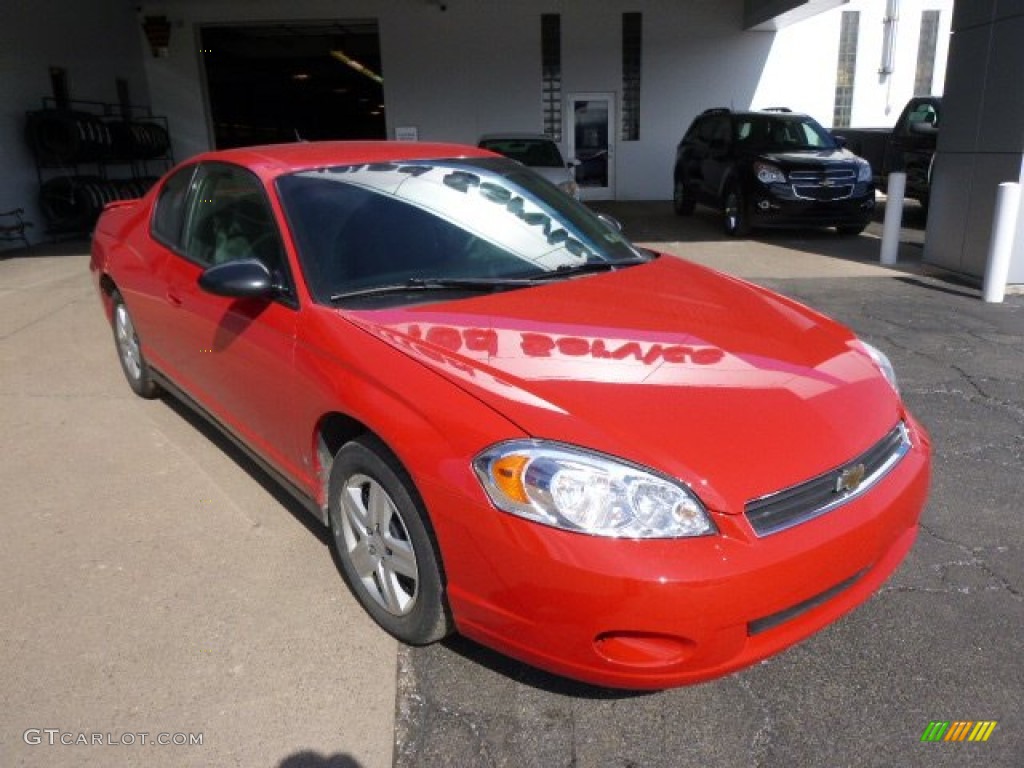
[[792, 506], [826, 185]]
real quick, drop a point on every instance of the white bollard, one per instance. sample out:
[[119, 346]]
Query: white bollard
[[897, 185], [1000, 249]]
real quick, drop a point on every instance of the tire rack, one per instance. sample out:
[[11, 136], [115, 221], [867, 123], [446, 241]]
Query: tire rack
[[90, 153]]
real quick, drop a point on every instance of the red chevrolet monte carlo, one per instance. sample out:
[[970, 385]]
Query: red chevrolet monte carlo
[[612, 464]]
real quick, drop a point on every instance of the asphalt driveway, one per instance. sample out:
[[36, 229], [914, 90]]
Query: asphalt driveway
[[942, 641]]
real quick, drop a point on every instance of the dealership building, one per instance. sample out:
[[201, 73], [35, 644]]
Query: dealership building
[[614, 82]]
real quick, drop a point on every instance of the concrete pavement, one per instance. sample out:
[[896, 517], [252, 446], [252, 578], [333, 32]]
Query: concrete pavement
[[152, 580]]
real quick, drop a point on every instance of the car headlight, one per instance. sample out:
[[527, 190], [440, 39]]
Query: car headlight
[[883, 363], [769, 174], [570, 188], [864, 171], [587, 492]]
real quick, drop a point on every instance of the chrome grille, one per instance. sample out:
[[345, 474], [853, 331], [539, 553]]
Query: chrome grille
[[800, 503], [830, 184]]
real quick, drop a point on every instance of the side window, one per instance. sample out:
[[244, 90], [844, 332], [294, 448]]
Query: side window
[[720, 131], [169, 212], [923, 113], [231, 219], [706, 130]]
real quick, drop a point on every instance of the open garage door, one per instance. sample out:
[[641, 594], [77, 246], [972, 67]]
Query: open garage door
[[268, 83]]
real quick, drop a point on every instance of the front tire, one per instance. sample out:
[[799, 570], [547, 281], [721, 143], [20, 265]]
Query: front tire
[[737, 218], [383, 543], [851, 230], [129, 351]]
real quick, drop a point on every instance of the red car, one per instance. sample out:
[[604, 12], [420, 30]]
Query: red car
[[612, 464]]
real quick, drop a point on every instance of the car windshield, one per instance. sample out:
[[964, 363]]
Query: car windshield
[[781, 133], [536, 153], [364, 229]]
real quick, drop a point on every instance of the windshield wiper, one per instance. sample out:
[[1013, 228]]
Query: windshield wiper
[[566, 270], [435, 284]]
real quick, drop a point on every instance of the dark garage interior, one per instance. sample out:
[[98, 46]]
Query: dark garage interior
[[284, 82]]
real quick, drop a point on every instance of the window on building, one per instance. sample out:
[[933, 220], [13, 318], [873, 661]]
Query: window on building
[[551, 73], [846, 69], [632, 49], [926, 46]]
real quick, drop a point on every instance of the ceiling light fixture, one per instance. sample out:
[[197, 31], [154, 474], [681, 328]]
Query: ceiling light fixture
[[360, 68]]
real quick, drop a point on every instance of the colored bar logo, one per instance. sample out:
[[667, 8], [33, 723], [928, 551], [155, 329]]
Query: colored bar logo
[[959, 730]]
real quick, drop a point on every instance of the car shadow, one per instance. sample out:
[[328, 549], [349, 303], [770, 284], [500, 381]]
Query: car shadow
[[216, 435], [516, 671]]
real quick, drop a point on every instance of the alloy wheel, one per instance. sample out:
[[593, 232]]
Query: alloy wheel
[[375, 538]]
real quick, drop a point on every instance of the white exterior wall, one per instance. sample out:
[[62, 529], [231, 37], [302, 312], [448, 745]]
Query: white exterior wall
[[95, 43], [800, 72], [468, 70], [476, 67]]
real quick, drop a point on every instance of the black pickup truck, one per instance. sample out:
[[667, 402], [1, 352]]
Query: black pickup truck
[[908, 146]]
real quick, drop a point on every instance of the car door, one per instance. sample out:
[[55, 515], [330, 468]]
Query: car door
[[913, 143], [717, 160], [234, 356]]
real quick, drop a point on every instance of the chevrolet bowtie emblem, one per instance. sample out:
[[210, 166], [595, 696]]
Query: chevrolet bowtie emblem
[[849, 479]]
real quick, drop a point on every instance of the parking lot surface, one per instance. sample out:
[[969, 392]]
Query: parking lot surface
[[942, 641], [154, 581]]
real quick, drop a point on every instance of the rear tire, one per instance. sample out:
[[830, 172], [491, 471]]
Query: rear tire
[[384, 546], [129, 351], [682, 203]]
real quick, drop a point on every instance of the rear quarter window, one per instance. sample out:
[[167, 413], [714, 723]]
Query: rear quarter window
[[169, 212]]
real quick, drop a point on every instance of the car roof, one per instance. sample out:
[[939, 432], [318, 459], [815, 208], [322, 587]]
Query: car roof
[[773, 111], [272, 160]]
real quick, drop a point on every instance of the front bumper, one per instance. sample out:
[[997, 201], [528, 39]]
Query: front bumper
[[658, 614], [777, 205]]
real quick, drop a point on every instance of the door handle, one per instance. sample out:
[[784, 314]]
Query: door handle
[[173, 298]]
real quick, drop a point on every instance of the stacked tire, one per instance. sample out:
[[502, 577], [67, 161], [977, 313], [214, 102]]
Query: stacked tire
[[73, 203], [66, 139]]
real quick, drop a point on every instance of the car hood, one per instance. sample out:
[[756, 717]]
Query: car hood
[[809, 158], [737, 391]]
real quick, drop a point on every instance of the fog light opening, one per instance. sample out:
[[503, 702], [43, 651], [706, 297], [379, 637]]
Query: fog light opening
[[643, 649]]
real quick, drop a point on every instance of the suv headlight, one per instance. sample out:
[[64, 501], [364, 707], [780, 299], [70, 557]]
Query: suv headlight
[[587, 492], [864, 171], [883, 363], [769, 174]]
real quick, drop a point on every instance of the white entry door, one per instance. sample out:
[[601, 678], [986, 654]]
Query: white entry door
[[591, 142]]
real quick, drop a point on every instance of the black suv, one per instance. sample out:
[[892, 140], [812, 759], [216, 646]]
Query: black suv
[[773, 168]]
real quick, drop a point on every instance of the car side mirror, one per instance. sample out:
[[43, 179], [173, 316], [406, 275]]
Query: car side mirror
[[241, 279], [924, 128], [840, 141]]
